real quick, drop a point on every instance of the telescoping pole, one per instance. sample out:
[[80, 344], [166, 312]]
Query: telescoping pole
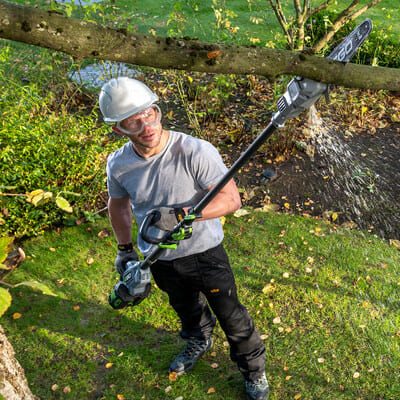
[[301, 94], [242, 160]]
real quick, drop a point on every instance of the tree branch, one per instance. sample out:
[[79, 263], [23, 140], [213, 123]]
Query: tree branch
[[82, 39], [280, 16]]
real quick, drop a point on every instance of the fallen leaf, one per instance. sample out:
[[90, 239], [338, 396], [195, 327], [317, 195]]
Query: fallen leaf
[[214, 365], [276, 320], [288, 377], [240, 213], [356, 375], [103, 233], [76, 308], [211, 390], [89, 261], [120, 397], [286, 275], [52, 249], [17, 315], [268, 208], [321, 360], [54, 387], [167, 389], [173, 376], [109, 365], [67, 389], [364, 109], [223, 220], [395, 243], [298, 395], [287, 206], [349, 225], [268, 289]]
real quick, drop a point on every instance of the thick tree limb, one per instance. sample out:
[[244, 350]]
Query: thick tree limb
[[82, 39]]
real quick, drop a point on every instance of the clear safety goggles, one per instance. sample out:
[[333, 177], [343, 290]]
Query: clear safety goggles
[[135, 124]]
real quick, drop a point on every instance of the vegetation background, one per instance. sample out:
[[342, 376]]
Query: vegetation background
[[323, 297]]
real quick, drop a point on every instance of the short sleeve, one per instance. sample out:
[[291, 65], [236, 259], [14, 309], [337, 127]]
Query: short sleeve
[[208, 165], [114, 188]]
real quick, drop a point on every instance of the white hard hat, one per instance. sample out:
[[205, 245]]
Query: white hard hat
[[122, 97]]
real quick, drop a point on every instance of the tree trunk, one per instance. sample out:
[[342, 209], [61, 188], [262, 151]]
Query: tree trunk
[[83, 39], [13, 384]]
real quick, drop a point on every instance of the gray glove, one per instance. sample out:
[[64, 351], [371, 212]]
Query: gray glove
[[125, 253], [166, 217]]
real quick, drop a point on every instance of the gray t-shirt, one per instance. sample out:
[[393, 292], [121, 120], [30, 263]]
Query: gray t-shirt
[[178, 176]]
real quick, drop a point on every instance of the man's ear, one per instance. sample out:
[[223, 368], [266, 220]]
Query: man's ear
[[117, 130]]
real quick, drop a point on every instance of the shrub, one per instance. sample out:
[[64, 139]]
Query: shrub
[[46, 147]]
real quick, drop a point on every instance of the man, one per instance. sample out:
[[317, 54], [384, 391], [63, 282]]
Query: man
[[170, 172]]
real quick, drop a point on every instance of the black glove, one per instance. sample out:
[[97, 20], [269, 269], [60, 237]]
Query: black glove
[[125, 253], [166, 218]]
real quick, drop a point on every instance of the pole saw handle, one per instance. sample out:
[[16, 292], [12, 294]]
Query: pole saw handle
[[150, 219]]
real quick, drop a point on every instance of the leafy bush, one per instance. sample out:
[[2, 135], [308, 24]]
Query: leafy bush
[[43, 146]]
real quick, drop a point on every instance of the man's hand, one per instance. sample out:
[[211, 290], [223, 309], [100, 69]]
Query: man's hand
[[125, 253], [166, 218]]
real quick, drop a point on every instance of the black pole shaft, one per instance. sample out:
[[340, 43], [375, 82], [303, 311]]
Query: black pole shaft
[[262, 137]]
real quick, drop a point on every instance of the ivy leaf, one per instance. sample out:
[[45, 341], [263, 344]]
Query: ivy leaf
[[63, 204], [38, 197], [4, 243], [36, 285], [5, 301]]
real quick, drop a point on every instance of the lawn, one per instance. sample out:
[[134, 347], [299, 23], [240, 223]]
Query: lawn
[[325, 300], [200, 18], [255, 19]]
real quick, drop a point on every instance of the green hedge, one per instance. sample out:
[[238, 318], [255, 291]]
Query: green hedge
[[44, 146]]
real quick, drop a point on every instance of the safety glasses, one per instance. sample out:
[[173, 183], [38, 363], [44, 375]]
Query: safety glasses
[[135, 124]]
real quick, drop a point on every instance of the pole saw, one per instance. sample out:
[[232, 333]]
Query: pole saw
[[300, 95]]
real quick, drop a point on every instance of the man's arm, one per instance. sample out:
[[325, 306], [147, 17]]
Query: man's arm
[[226, 201], [120, 213]]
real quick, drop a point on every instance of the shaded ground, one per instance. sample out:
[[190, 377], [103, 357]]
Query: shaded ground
[[364, 190]]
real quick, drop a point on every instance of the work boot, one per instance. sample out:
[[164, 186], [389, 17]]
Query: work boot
[[257, 389], [187, 358]]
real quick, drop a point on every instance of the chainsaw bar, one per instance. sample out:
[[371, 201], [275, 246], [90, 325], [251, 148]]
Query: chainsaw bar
[[345, 51]]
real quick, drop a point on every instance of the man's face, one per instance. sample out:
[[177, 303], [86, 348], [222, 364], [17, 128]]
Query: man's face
[[144, 130]]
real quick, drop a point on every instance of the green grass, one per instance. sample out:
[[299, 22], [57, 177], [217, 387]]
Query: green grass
[[197, 18], [335, 292], [255, 19]]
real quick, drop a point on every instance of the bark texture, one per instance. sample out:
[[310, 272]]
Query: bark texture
[[13, 384], [83, 39]]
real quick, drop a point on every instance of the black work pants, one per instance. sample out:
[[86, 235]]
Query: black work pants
[[190, 283]]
